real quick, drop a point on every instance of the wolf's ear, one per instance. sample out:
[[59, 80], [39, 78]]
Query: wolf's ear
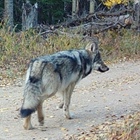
[[93, 47]]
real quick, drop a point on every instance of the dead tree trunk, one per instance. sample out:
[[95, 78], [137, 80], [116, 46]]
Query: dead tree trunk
[[137, 14], [8, 15], [75, 8], [29, 15], [92, 6]]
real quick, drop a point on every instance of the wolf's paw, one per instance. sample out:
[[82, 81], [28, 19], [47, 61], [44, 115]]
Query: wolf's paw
[[28, 127], [69, 116], [41, 123]]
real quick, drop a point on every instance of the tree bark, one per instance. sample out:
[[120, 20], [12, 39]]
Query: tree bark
[[137, 14], [8, 15], [92, 6], [29, 15], [75, 8]]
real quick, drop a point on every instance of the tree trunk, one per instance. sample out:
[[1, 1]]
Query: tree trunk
[[8, 15], [92, 5], [75, 8], [29, 15], [137, 14]]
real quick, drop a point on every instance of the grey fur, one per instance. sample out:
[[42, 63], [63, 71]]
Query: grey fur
[[59, 72]]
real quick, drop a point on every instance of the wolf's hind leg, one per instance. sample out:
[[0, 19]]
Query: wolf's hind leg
[[40, 114], [67, 99], [27, 124]]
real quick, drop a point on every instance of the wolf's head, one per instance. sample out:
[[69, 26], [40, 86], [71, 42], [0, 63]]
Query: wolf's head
[[97, 63]]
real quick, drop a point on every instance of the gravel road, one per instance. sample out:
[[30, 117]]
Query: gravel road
[[98, 98]]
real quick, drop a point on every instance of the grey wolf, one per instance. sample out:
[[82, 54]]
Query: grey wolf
[[59, 72]]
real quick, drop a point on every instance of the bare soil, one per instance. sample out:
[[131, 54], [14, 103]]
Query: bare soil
[[98, 98]]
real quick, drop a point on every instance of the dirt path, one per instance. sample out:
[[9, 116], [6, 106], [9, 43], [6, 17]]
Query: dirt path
[[97, 98]]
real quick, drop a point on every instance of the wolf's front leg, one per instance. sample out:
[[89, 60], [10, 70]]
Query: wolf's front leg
[[40, 114], [62, 102], [67, 99], [27, 124]]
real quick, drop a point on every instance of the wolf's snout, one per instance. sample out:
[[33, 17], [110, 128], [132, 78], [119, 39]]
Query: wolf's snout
[[103, 68]]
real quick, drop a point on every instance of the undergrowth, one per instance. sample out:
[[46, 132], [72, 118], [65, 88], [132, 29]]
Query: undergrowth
[[16, 49], [122, 45]]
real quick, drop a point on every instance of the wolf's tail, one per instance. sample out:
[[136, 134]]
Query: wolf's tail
[[28, 107], [31, 100], [32, 90]]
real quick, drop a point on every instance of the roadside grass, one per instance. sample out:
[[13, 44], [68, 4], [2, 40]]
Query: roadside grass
[[120, 46], [16, 50]]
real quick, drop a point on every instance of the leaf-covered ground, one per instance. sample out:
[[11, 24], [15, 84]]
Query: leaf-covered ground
[[126, 128]]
